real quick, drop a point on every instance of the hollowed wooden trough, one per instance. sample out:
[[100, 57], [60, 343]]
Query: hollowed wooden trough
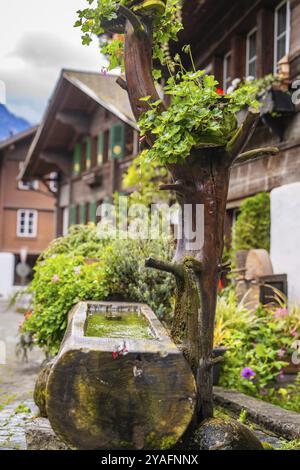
[[129, 387]]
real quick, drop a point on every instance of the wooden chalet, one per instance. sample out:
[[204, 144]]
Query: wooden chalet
[[26, 213], [234, 39], [88, 137]]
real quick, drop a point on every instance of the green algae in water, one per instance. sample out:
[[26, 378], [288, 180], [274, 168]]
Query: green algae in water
[[128, 325]]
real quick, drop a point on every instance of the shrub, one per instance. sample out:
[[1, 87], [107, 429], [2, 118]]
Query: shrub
[[252, 229], [258, 344], [63, 278]]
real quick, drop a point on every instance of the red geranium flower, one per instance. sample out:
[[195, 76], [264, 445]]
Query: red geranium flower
[[220, 91]]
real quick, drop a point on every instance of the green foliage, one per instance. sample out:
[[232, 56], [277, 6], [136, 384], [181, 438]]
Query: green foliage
[[146, 179], [57, 286], [63, 277], [291, 445], [260, 340], [243, 417], [92, 22], [252, 229], [199, 115]]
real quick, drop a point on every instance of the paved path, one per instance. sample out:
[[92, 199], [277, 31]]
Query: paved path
[[17, 380]]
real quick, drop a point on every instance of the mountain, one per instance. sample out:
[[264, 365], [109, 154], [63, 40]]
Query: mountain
[[10, 124]]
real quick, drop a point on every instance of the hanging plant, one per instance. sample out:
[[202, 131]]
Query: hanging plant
[[200, 114]]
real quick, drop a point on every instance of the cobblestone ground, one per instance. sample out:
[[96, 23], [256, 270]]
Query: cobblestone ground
[[17, 380]]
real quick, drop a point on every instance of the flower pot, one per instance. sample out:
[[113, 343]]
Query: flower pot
[[217, 352]]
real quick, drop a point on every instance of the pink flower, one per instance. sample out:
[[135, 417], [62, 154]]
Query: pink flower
[[77, 270], [281, 353], [281, 375], [294, 332], [281, 312], [55, 278]]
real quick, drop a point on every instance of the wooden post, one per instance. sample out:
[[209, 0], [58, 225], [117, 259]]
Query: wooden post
[[202, 179]]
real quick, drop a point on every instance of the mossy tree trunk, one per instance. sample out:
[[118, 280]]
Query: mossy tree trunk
[[202, 179]]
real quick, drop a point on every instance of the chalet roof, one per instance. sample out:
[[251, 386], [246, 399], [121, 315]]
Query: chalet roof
[[18, 137], [104, 90], [76, 93]]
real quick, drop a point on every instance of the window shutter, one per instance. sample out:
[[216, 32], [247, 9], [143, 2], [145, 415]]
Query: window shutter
[[82, 213], [72, 215], [88, 163], [117, 141], [93, 211], [100, 150], [77, 159]]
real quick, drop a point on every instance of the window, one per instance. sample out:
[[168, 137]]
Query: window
[[27, 223], [53, 182], [282, 32], [28, 185], [227, 78], [251, 54]]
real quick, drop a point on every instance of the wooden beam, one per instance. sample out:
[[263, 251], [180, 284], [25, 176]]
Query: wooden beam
[[265, 42], [78, 120], [61, 160], [238, 56]]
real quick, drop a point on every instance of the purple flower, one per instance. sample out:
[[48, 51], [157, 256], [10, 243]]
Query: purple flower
[[248, 373], [281, 313], [281, 353], [104, 71], [77, 270], [294, 332], [55, 278], [281, 375]]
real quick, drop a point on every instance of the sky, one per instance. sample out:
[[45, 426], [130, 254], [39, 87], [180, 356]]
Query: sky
[[37, 40]]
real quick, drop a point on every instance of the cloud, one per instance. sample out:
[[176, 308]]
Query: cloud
[[35, 46]]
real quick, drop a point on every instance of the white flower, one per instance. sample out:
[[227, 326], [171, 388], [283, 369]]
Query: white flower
[[250, 78], [230, 90], [236, 82]]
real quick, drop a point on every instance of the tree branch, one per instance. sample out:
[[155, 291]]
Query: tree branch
[[224, 268], [243, 134], [193, 264], [214, 361], [172, 268], [130, 16], [257, 153], [122, 83]]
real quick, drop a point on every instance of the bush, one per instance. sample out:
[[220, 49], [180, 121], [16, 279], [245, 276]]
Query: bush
[[116, 272], [252, 229], [258, 344]]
